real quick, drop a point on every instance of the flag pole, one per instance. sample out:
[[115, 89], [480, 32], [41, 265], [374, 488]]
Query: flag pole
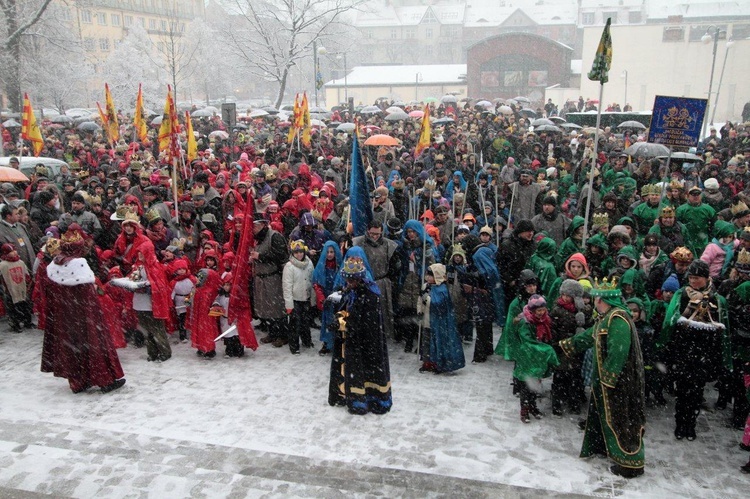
[[593, 167]]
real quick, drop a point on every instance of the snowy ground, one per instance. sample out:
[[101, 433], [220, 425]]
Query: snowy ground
[[261, 427]]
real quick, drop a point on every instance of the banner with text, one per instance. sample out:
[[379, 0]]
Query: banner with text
[[677, 121]]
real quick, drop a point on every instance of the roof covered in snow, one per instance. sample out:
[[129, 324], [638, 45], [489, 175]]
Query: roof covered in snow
[[662, 9], [404, 75]]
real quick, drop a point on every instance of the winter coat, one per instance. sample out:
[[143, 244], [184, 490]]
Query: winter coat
[[714, 256], [297, 282]]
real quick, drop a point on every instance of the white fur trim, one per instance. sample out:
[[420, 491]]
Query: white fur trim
[[707, 326], [73, 273]]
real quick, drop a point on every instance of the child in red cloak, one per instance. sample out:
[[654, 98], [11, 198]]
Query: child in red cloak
[[112, 316], [123, 308], [182, 284], [203, 328]]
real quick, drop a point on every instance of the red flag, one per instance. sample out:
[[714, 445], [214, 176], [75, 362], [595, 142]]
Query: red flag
[[240, 308]]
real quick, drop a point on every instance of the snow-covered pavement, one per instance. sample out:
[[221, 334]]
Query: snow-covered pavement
[[260, 426]]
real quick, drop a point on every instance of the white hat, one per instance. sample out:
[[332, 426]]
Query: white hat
[[711, 184]]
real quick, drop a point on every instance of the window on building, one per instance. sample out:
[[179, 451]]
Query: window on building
[[104, 44], [609, 15], [741, 31], [587, 18], [63, 13], [152, 24], [88, 44], [428, 33], [394, 34], [101, 18], [128, 21], [115, 18], [86, 16], [163, 25], [635, 17], [673, 34], [142, 20], [429, 17], [410, 33], [428, 50], [697, 32]]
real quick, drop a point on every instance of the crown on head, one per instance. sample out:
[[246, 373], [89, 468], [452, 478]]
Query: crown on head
[[52, 247], [298, 245], [198, 190], [71, 237], [605, 288], [676, 184], [667, 212], [682, 254], [743, 258], [353, 267], [601, 219], [650, 189], [152, 216], [430, 184], [738, 208], [131, 217], [123, 210]]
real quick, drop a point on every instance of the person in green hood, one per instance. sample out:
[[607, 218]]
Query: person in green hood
[[572, 244], [698, 218], [648, 211], [596, 253], [541, 263], [719, 253], [616, 417]]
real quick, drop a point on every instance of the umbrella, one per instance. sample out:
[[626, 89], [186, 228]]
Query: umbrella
[[221, 134], [427, 100], [484, 103], [317, 123], [416, 114], [258, 113], [212, 109], [61, 119], [397, 116], [505, 110], [556, 119], [394, 109], [370, 110], [448, 99], [8, 174], [320, 116], [381, 140], [546, 128], [157, 121], [371, 128], [11, 123], [498, 100], [346, 127], [684, 156], [202, 113], [399, 103], [570, 126], [283, 124], [632, 124], [240, 126], [528, 112], [89, 126], [524, 100], [270, 110], [443, 121], [542, 121], [591, 130], [647, 150], [318, 109]]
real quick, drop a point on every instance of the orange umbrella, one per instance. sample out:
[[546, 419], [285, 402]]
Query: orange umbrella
[[8, 174], [381, 140]]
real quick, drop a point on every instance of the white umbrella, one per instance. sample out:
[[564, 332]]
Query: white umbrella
[[202, 113], [524, 100], [448, 99], [219, 133], [394, 109], [212, 109], [317, 123], [484, 103], [397, 116], [11, 123], [157, 120], [370, 110], [318, 109], [346, 127], [505, 110], [258, 113]]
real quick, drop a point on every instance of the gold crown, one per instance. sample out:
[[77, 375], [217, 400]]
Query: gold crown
[[667, 212], [83, 174], [145, 174], [298, 245], [52, 247], [743, 257], [650, 189], [600, 219], [739, 208], [682, 254], [71, 237], [605, 288], [430, 184], [152, 216], [198, 191], [95, 200], [179, 243], [131, 217], [676, 184]]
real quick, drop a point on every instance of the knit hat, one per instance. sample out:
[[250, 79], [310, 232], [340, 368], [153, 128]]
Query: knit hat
[[536, 301], [45, 197], [550, 200], [711, 184], [485, 230], [527, 276], [671, 284], [572, 288], [78, 198], [458, 250], [699, 268], [524, 226]]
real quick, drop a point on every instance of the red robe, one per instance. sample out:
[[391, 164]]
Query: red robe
[[240, 309], [38, 296], [161, 301], [76, 346], [112, 316], [205, 329]]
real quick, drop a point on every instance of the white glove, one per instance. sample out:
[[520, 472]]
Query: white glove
[[334, 297]]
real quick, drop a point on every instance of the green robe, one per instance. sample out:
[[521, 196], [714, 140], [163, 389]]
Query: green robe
[[568, 247], [541, 263], [699, 221], [534, 359], [514, 309], [616, 419], [644, 216]]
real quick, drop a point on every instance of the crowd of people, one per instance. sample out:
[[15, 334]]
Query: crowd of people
[[646, 299]]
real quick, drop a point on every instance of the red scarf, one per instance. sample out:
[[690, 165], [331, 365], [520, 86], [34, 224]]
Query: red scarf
[[567, 305], [543, 325]]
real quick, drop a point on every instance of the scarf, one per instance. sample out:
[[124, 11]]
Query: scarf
[[729, 254], [645, 262], [569, 306], [9, 258], [543, 325]]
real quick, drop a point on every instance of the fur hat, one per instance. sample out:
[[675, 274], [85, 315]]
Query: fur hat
[[536, 301], [572, 288]]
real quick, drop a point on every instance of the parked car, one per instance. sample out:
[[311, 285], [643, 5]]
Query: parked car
[[28, 164]]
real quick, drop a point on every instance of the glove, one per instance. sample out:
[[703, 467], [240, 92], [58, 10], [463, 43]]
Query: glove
[[289, 311], [320, 297], [580, 319], [334, 298]]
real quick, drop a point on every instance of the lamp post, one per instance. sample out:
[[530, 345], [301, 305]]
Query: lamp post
[[624, 74], [417, 79], [707, 39], [315, 70], [339, 56], [730, 42]]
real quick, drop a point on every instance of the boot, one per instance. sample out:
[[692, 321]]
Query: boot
[[525, 414], [746, 468], [624, 472], [114, 386], [534, 410]]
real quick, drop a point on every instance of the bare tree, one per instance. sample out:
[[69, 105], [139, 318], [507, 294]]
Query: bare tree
[[272, 36], [16, 17]]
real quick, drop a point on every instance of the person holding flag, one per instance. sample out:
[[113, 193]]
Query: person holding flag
[[139, 120], [425, 134]]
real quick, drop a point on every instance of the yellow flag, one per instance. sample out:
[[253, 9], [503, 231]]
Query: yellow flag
[[113, 127], [166, 128], [139, 121], [426, 134], [192, 145], [29, 128], [306, 127], [295, 121]]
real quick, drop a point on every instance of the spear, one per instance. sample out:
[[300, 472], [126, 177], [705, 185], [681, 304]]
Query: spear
[[430, 185]]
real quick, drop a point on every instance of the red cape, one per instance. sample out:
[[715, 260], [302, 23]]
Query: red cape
[[240, 309]]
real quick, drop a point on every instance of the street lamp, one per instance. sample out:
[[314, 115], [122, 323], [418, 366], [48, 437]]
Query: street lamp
[[339, 56], [624, 74], [707, 39], [417, 79], [730, 42]]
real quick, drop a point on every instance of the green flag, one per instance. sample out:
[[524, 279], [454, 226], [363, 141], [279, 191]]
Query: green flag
[[603, 59]]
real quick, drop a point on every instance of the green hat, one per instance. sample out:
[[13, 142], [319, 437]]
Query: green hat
[[605, 288]]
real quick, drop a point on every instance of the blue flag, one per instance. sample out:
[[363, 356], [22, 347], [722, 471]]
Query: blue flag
[[360, 207]]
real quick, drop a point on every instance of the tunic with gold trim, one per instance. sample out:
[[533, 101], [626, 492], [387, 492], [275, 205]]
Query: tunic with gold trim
[[616, 418]]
